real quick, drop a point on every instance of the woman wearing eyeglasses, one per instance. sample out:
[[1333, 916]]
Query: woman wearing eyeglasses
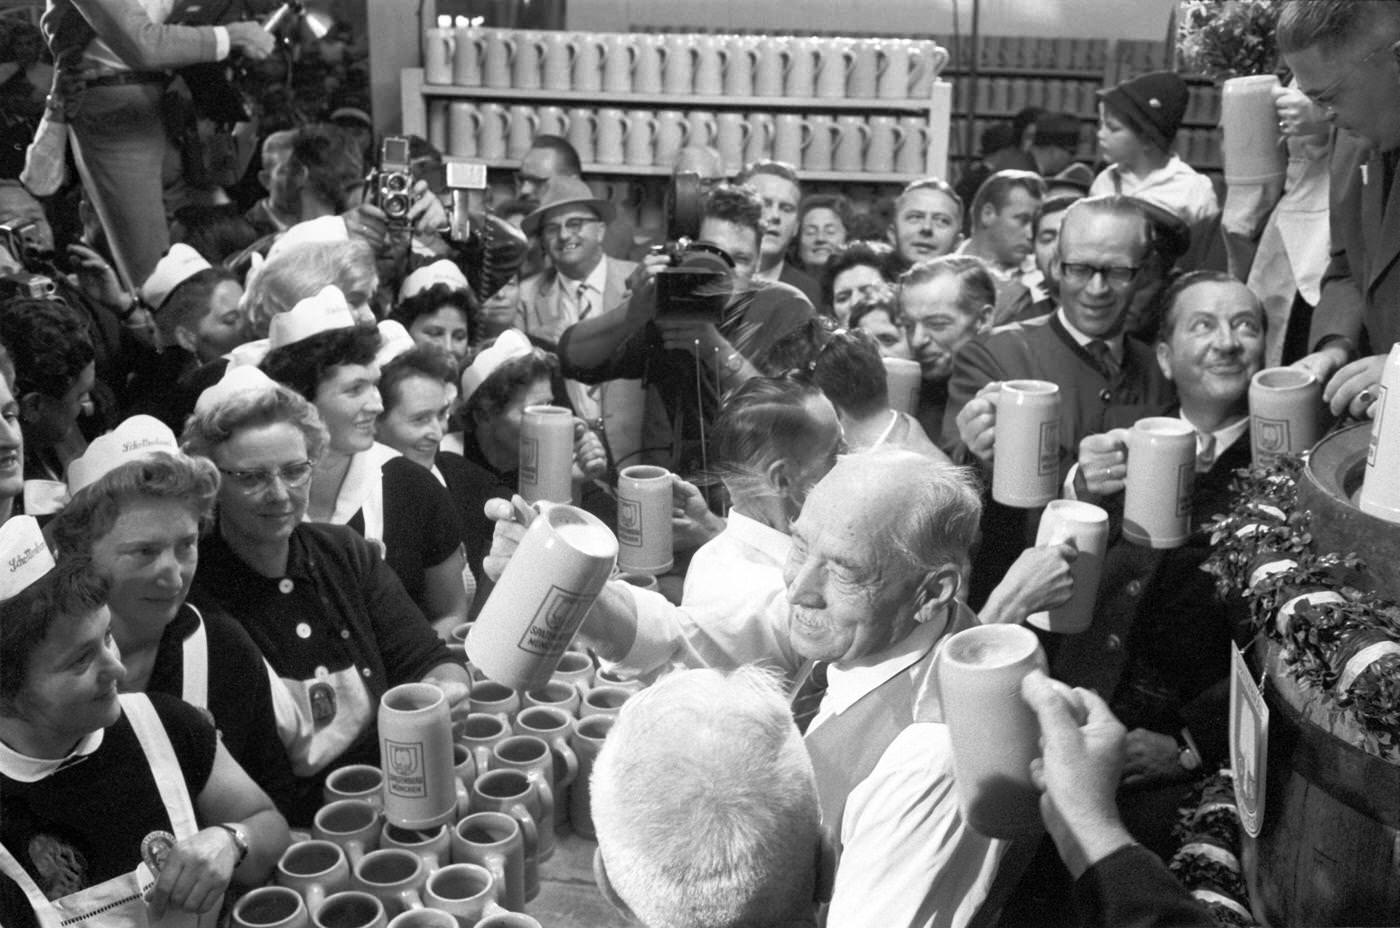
[[332, 619]]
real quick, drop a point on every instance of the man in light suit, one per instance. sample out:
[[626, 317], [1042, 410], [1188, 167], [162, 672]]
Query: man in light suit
[[581, 282], [1345, 56]]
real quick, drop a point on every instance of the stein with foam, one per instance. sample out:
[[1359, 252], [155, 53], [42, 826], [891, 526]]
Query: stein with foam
[[1086, 527], [1161, 476]]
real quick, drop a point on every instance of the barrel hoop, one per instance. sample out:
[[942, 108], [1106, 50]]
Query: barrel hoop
[[1353, 777]]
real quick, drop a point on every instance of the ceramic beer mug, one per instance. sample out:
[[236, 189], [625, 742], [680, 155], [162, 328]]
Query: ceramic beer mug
[[439, 44], [468, 49], [524, 126], [710, 56], [415, 743], [464, 891], [314, 869], [603, 700], [791, 136], [496, 57], [619, 61], [678, 73], [1025, 466], [739, 66], [554, 727], [672, 132], [479, 732], [492, 698], [547, 432], [1285, 413], [555, 694], [834, 62], [609, 149], [1086, 525], [528, 61], [532, 757], [351, 909], [576, 669], [852, 136], [651, 58], [771, 64], [491, 142], [557, 68], [544, 593], [1161, 474], [587, 741], [821, 143], [701, 128], [393, 876], [931, 59], [353, 824], [589, 52], [583, 127], [493, 840], [463, 126], [437, 124], [885, 138], [433, 845], [513, 793], [801, 77], [355, 781], [904, 379], [911, 157], [644, 518], [759, 141], [867, 64], [895, 81], [270, 907], [552, 120], [731, 138], [641, 138]]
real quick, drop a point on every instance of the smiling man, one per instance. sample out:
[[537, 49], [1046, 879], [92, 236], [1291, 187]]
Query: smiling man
[[1345, 56]]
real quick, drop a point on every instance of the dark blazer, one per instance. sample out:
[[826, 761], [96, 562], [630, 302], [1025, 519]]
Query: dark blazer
[[1361, 288]]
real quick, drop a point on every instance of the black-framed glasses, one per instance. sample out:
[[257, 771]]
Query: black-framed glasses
[[1115, 276], [1324, 97], [572, 226], [260, 481]]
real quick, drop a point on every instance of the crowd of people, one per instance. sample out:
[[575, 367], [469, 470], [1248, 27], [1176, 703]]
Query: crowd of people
[[258, 460]]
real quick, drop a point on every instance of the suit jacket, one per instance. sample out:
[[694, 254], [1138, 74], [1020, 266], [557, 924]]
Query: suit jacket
[[1361, 288], [1131, 888], [794, 276], [541, 313]]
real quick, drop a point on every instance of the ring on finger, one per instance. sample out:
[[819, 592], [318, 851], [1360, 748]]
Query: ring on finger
[[1366, 397]]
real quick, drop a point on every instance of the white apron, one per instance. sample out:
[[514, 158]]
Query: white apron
[[120, 902]]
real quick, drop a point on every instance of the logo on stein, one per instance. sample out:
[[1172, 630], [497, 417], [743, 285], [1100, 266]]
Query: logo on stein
[[405, 773], [529, 459], [1049, 446], [546, 634], [1273, 435], [1185, 481], [629, 521]]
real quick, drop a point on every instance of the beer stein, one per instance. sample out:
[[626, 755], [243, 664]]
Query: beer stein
[[558, 67], [641, 138], [739, 62], [589, 55], [438, 46], [885, 138], [710, 57], [791, 136], [552, 120], [678, 75], [821, 137], [731, 138], [912, 154], [583, 126], [672, 132], [496, 59], [524, 126], [868, 63], [437, 124], [651, 57], [468, 49], [801, 78], [491, 143], [701, 128], [612, 129], [529, 55], [771, 64], [852, 136], [760, 138], [834, 61], [619, 61]]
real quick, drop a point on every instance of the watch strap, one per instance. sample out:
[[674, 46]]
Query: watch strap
[[240, 839]]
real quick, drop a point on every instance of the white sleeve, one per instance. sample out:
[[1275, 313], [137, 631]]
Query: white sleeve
[[908, 857]]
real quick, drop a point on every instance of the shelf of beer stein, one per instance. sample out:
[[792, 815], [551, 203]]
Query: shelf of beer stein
[[676, 100], [658, 170]]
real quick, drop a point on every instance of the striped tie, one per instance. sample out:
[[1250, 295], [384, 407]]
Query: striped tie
[[808, 695]]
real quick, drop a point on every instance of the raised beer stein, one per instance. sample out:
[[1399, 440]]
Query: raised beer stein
[[867, 64], [678, 74], [524, 126], [547, 432], [771, 64], [557, 71], [497, 58], [885, 138], [583, 128], [739, 65], [821, 142], [1025, 466], [468, 49], [589, 55], [552, 120], [641, 138], [651, 58], [1161, 475], [801, 77], [710, 56], [834, 62], [791, 136], [619, 62], [439, 44], [852, 137], [491, 142], [759, 141]]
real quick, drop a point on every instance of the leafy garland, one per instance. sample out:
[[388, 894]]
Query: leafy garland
[[1339, 642], [1208, 862], [1230, 39]]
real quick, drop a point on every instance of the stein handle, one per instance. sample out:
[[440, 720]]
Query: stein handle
[[546, 800], [570, 759], [495, 864], [850, 64], [314, 896], [410, 899], [882, 62], [528, 829], [354, 852], [919, 70], [899, 137], [808, 133]]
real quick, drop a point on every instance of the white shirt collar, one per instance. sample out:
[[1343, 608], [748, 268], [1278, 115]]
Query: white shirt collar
[[1224, 437], [755, 534], [28, 769], [596, 281], [1114, 342], [363, 477]]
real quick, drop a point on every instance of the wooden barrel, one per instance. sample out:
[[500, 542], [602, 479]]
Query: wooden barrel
[[1327, 489]]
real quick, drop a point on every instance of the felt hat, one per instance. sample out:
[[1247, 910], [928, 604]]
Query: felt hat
[[1077, 175], [1058, 129], [24, 555], [237, 379], [178, 265], [1156, 101], [510, 344], [564, 191], [439, 272], [136, 438], [394, 340], [325, 311]]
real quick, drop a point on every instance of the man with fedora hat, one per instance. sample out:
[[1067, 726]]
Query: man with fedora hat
[[581, 282]]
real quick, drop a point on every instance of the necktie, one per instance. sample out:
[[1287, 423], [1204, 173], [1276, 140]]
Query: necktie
[[1103, 358], [585, 303], [1205, 451], [808, 696]]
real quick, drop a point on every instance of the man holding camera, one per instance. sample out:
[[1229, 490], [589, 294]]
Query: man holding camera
[[688, 357]]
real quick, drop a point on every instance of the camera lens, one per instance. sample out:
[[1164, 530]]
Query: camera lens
[[396, 182], [396, 206]]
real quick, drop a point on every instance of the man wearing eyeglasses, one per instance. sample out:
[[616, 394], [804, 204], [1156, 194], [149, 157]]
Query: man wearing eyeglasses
[[1345, 56], [1106, 380]]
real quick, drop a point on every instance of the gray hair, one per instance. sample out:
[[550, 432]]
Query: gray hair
[[302, 271], [705, 803], [1330, 24], [208, 429]]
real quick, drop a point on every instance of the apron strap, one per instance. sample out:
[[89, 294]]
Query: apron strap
[[44, 910], [195, 674], [165, 766]]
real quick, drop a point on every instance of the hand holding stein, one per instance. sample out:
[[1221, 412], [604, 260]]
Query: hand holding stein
[[1103, 463]]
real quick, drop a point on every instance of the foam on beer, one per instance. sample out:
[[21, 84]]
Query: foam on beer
[[990, 649], [592, 540]]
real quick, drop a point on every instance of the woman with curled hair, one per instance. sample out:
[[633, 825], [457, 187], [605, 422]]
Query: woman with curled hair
[[823, 220], [321, 353], [330, 616], [92, 782], [136, 516], [299, 271], [438, 309], [859, 271]]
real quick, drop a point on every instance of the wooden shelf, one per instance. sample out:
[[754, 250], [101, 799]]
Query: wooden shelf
[[1095, 74], [652, 170], [680, 101]]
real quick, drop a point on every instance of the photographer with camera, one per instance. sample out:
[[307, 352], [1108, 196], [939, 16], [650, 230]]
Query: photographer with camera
[[691, 326]]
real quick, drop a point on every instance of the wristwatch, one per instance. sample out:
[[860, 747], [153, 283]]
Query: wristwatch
[[734, 363], [240, 839], [1187, 755]]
